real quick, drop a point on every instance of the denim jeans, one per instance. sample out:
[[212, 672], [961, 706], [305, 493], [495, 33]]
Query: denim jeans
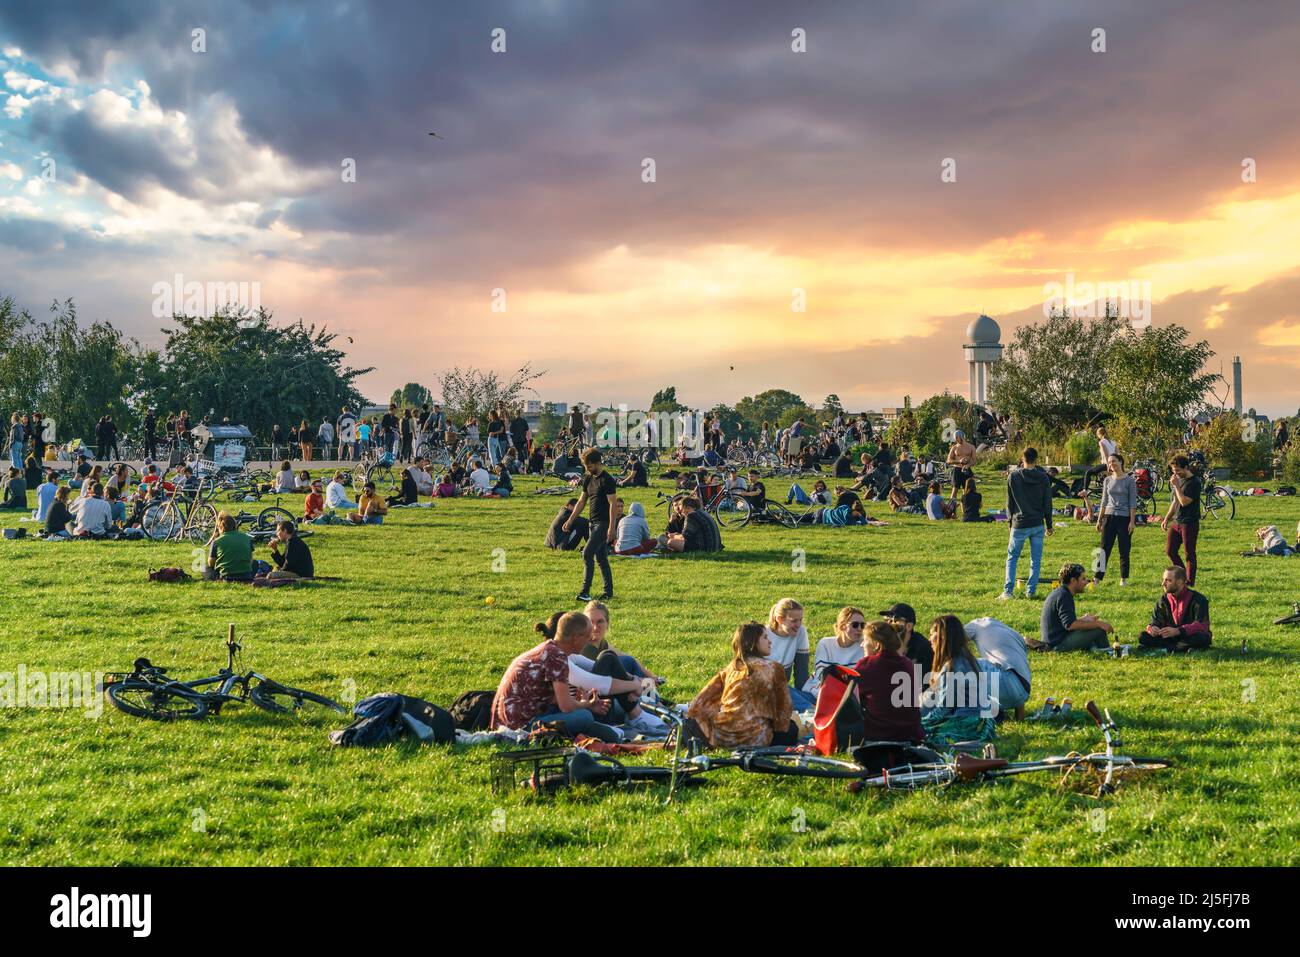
[[583, 721], [496, 449], [1014, 547], [801, 700]]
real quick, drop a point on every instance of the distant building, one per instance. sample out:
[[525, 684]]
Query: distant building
[[983, 348], [888, 415]]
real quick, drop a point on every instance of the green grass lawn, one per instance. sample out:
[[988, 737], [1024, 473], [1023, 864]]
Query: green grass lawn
[[410, 615]]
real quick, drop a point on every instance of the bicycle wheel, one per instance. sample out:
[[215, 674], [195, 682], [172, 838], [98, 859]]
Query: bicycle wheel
[[281, 699], [801, 765], [781, 514], [203, 520], [162, 521], [132, 473], [269, 518], [384, 478], [1147, 506], [439, 458], [1219, 503], [737, 457], [143, 699], [731, 512]]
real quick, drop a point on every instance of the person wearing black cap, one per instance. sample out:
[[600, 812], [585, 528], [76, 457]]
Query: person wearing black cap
[[903, 617]]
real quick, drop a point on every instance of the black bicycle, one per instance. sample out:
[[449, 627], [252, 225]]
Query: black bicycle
[[147, 692], [1291, 619]]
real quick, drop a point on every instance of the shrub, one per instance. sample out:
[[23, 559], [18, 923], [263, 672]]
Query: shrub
[[1291, 464], [1081, 448], [1224, 445]]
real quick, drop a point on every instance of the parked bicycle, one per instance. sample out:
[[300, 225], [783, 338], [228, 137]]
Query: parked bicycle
[[147, 692], [185, 514]]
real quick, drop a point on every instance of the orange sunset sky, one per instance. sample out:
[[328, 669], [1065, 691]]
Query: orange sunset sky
[[775, 170]]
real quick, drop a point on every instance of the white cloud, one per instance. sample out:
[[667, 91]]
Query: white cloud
[[22, 82], [13, 52], [11, 170], [15, 105], [35, 186]]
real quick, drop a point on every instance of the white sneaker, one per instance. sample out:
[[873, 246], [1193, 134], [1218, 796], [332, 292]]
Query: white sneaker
[[1005, 596], [1123, 583], [647, 724]]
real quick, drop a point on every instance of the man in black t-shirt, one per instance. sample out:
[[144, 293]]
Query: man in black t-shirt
[[598, 491], [755, 495], [519, 434], [1182, 522]]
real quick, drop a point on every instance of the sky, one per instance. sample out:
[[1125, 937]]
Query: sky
[[911, 166]]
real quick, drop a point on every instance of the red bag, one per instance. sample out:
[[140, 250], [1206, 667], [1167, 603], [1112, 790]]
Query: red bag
[[837, 720], [1142, 479]]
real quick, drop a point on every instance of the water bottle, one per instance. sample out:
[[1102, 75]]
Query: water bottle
[[1243, 646]]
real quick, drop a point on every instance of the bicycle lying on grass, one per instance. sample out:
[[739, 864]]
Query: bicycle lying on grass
[[874, 765], [1291, 619], [147, 692]]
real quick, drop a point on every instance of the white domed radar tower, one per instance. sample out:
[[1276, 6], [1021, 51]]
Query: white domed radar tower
[[983, 348]]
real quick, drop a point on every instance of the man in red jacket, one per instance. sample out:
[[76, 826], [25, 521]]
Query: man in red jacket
[[1181, 619]]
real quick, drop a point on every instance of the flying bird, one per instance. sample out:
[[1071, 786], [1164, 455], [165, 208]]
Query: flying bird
[[436, 136]]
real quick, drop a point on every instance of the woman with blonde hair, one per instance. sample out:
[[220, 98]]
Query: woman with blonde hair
[[747, 703], [304, 440], [842, 648], [789, 641]]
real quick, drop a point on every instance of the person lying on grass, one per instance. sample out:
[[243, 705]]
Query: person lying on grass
[[295, 561], [788, 639], [699, 531], [847, 510], [371, 509], [1271, 542], [747, 703], [230, 552], [955, 705], [1062, 629], [605, 673], [535, 688], [1181, 619]]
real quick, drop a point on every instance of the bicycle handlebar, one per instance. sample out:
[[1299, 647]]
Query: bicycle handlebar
[[1092, 709]]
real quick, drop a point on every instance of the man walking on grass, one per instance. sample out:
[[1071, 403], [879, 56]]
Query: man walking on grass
[[1029, 508], [600, 490], [1182, 523]]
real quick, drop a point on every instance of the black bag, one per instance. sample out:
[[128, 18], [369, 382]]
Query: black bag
[[388, 716], [1286, 490], [15, 533], [472, 711]]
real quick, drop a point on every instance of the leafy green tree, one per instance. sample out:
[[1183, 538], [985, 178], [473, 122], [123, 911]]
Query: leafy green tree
[[241, 366], [549, 423], [665, 400], [777, 407], [937, 419], [475, 392], [1155, 379], [1052, 373], [831, 406], [411, 396]]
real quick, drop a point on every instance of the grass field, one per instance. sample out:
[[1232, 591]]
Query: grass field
[[410, 615]]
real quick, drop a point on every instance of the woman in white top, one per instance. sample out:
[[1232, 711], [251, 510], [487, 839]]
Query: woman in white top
[[1106, 448], [789, 640], [842, 648]]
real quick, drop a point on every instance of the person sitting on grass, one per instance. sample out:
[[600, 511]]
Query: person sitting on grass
[[1003, 651], [409, 493], [887, 687], [605, 674], [1181, 619], [336, 494], [371, 509], [313, 506], [15, 495], [94, 514], [45, 493], [636, 476], [535, 688], [59, 515], [478, 481], [536, 461], [117, 507], [295, 561], [747, 703], [598, 612], [842, 648], [912, 645], [934, 504], [699, 531], [504, 484], [788, 639], [423, 480], [1062, 628], [971, 503], [954, 704], [285, 480], [230, 552], [557, 537], [754, 494], [633, 536]]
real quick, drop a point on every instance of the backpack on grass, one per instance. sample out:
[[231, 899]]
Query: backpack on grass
[[168, 575], [472, 711], [389, 716]]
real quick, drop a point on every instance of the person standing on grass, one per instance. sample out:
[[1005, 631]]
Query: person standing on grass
[[1117, 515], [304, 440], [519, 434], [1107, 448], [962, 458], [1185, 511], [599, 490], [496, 436], [325, 436], [1181, 619], [1061, 627], [1029, 507]]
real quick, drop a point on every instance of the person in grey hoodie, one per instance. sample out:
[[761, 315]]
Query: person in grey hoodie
[[1029, 507]]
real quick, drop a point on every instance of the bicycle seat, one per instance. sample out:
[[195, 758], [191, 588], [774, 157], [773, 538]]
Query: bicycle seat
[[144, 664], [968, 768], [585, 768]]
